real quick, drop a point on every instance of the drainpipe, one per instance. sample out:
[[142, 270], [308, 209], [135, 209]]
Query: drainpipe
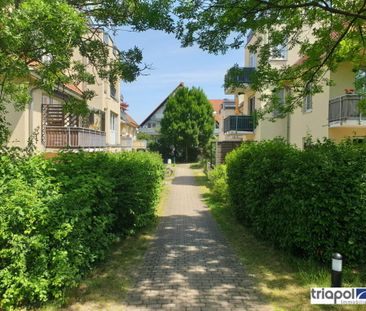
[[288, 127], [30, 112]]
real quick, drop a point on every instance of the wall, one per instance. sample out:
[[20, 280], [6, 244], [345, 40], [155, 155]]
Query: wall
[[314, 122], [19, 126], [344, 78], [103, 100], [341, 133]]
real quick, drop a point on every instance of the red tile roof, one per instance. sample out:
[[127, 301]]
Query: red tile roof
[[216, 105], [124, 105], [301, 60], [131, 121], [73, 88]]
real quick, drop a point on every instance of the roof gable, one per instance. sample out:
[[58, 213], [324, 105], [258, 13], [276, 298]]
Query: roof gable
[[162, 104]]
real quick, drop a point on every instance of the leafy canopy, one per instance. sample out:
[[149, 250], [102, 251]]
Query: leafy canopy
[[38, 39], [326, 33], [188, 122]]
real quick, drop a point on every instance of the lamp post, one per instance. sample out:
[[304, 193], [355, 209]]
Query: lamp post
[[336, 270]]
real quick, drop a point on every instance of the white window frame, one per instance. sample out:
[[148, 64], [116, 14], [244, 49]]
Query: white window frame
[[282, 52], [361, 74], [250, 102], [308, 102], [282, 96]]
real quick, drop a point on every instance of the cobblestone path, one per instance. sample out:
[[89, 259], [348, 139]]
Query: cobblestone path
[[189, 265]]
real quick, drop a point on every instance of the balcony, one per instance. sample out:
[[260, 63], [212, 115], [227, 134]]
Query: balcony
[[343, 111], [126, 142], [139, 144], [129, 143], [73, 137], [239, 125], [237, 78]]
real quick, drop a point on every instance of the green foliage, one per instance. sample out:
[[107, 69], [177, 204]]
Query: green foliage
[[38, 39], [188, 123], [310, 202], [218, 183], [325, 33], [59, 217]]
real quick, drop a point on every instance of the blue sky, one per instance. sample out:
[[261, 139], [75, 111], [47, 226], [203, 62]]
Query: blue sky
[[171, 65]]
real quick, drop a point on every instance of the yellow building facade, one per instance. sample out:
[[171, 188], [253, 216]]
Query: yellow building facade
[[57, 129], [331, 114]]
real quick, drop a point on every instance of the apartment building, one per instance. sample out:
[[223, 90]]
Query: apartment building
[[331, 114], [58, 129]]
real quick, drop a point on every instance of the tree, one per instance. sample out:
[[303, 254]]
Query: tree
[[38, 38], [188, 124], [327, 33]]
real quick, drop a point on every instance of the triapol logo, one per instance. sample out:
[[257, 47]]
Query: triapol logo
[[361, 293], [338, 295]]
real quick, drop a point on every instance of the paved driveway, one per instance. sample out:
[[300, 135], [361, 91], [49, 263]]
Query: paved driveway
[[190, 265]]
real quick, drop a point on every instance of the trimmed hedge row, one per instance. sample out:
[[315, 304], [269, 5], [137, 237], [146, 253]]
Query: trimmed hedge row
[[310, 202], [59, 217]]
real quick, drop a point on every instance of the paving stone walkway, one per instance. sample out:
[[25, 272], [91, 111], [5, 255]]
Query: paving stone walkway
[[190, 265]]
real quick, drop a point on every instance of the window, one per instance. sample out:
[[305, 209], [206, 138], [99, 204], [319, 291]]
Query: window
[[113, 90], [251, 106], [105, 38], [308, 100], [281, 99], [113, 121], [360, 81], [279, 52], [252, 60], [359, 140]]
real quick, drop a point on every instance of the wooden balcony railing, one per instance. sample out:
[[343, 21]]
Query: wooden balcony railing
[[345, 108], [73, 137], [238, 124]]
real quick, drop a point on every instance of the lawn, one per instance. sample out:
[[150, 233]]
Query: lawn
[[282, 279]]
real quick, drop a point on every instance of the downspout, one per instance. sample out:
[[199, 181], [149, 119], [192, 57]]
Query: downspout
[[30, 112], [288, 127]]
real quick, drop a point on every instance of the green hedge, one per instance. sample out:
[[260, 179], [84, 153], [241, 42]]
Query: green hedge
[[310, 202], [58, 217], [217, 179]]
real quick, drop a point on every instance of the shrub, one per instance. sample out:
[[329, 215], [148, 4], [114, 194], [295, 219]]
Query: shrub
[[27, 194], [310, 202], [59, 217], [218, 183]]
